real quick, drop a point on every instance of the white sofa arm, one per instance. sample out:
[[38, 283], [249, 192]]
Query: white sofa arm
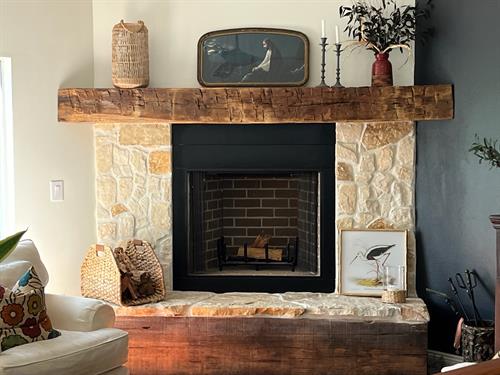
[[78, 313]]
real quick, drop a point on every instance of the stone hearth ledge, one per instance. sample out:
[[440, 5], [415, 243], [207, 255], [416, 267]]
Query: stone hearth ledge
[[285, 305]]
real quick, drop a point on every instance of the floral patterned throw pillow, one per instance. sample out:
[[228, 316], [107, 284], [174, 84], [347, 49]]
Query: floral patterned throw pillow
[[23, 315]]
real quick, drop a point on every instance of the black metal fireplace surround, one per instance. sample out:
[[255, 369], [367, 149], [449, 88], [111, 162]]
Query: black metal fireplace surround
[[223, 156]]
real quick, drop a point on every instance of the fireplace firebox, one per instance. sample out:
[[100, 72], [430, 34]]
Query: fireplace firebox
[[253, 208]]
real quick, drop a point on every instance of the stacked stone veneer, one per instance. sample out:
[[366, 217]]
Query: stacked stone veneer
[[375, 183], [134, 187], [375, 168]]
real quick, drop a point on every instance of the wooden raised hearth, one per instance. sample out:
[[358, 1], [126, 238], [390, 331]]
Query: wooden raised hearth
[[275, 334], [256, 105]]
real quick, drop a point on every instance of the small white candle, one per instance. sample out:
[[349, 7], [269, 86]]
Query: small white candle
[[323, 35], [336, 34]]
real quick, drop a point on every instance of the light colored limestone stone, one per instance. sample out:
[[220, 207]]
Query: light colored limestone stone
[[139, 162], [106, 191], [117, 209], [104, 158], [175, 304], [160, 214], [380, 134], [363, 218], [344, 172], [345, 223], [371, 206], [159, 162], [166, 188], [385, 204], [102, 213], [380, 224], [361, 307], [120, 156], [145, 134], [402, 217], [246, 304], [367, 163], [382, 182], [126, 226], [347, 199], [405, 174], [384, 158], [154, 187], [346, 152], [401, 195], [106, 232], [286, 305], [406, 151], [138, 211], [104, 128], [125, 188], [349, 132]]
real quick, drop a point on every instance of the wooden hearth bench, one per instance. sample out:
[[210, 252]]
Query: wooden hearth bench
[[290, 333]]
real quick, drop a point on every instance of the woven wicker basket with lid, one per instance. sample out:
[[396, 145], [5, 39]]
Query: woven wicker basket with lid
[[130, 55]]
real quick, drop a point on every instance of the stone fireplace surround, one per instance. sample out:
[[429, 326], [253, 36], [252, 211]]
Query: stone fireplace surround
[[375, 149], [317, 332], [375, 164]]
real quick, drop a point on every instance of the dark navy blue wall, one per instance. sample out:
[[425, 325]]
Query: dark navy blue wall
[[455, 195]]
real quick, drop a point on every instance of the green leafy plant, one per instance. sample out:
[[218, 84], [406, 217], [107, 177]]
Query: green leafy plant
[[7, 245], [486, 150], [386, 26]]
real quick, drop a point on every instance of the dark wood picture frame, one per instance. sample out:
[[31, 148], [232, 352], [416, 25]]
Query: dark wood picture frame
[[243, 62]]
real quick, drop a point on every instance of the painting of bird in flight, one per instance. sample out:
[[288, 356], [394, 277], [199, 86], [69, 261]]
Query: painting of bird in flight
[[364, 254]]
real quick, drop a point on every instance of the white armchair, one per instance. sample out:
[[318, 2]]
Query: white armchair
[[88, 344]]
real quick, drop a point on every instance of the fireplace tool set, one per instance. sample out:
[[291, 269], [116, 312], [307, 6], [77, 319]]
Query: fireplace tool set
[[473, 334], [468, 284]]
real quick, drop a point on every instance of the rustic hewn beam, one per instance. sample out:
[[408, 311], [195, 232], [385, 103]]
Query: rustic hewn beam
[[256, 105]]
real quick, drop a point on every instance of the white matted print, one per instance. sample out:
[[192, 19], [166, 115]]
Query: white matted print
[[363, 255]]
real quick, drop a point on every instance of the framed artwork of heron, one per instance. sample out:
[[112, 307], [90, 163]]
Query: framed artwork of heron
[[253, 57], [363, 255]]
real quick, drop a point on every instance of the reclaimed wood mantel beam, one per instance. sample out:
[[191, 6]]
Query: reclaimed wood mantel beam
[[256, 105]]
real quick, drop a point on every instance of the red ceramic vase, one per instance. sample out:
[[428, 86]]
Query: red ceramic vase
[[382, 70]]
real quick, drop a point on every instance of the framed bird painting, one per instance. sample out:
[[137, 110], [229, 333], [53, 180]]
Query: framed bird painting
[[253, 57], [363, 255]]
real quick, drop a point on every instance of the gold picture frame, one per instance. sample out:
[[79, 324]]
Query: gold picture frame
[[235, 57], [355, 260]]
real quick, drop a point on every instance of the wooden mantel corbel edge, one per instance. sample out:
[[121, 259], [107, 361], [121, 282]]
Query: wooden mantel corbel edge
[[256, 105]]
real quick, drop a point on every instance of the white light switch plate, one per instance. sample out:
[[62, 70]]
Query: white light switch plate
[[57, 190]]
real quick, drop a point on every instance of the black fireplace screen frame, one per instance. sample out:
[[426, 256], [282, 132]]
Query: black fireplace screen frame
[[250, 149]]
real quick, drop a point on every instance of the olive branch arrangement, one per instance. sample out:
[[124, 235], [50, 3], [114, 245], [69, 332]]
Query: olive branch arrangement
[[487, 150], [385, 27]]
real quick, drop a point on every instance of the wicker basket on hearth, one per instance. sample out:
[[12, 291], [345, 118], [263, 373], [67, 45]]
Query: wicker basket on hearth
[[101, 277]]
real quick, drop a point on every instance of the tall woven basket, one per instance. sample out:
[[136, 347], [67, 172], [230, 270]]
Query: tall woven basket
[[130, 56], [100, 276]]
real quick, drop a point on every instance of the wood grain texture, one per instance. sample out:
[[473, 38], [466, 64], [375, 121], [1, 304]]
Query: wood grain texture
[[256, 105], [495, 220], [204, 345]]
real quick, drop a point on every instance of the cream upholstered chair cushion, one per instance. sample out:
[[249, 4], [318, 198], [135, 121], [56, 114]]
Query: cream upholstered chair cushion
[[72, 353], [27, 251]]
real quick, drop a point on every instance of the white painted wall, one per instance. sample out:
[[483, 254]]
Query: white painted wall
[[50, 42], [176, 25]]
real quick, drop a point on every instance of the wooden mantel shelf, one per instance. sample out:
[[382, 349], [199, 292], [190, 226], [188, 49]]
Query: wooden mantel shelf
[[256, 105]]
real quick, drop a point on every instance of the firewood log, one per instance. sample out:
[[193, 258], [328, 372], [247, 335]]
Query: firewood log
[[261, 240]]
